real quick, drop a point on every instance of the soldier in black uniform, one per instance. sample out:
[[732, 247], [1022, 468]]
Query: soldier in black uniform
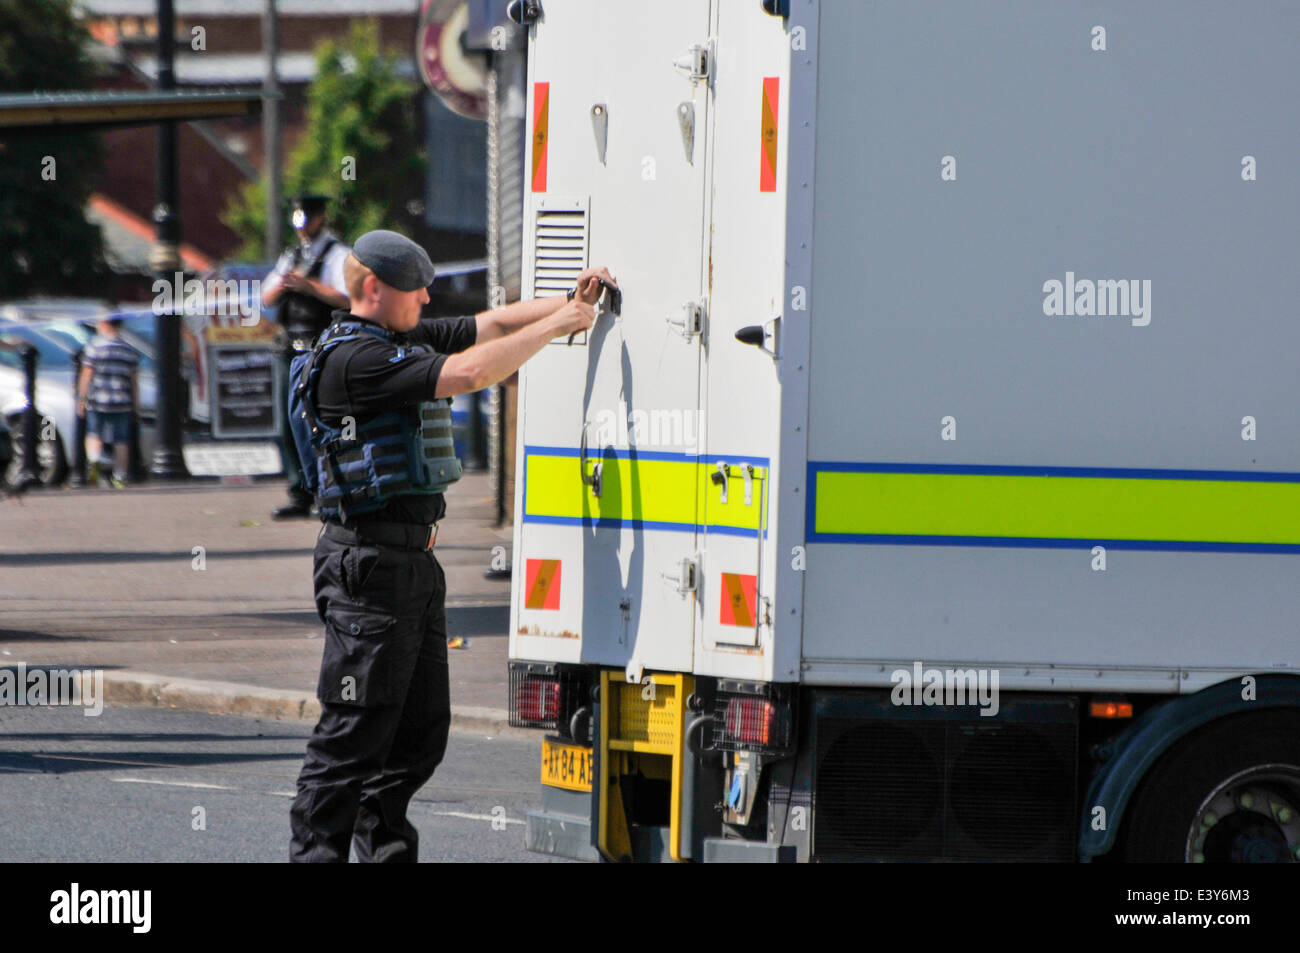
[[374, 434], [308, 285]]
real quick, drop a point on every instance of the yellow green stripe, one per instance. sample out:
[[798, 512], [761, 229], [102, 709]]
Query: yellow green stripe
[[654, 491], [963, 504]]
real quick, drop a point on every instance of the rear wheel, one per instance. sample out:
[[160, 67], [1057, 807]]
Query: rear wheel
[[1229, 793], [51, 461]]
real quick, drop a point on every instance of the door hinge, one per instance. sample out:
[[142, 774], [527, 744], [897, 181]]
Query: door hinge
[[524, 12], [687, 577], [697, 62], [689, 321]]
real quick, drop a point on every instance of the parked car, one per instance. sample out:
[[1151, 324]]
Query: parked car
[[57, 343], [55, 380]]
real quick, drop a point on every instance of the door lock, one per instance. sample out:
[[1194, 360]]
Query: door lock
[[592, 480]]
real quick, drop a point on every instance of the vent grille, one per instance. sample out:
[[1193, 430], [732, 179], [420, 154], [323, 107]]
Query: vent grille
[[559, 248], [951, 785]]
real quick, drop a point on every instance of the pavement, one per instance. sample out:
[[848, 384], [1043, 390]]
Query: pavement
[[189, 596]]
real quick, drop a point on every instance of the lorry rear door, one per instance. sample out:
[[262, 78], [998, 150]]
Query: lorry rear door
[[614, 176], [746, 245]]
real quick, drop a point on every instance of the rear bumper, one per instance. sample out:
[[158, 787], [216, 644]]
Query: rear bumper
[[562, 826], [560, 835], [720, 851]]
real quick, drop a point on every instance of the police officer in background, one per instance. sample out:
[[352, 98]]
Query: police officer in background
[[308, 284], [371, 412]]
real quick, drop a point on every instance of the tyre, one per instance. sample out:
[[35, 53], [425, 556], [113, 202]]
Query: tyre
[[51, 460], [1228, 793]]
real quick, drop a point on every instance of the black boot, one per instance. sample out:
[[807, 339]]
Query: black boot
[[294, 509]]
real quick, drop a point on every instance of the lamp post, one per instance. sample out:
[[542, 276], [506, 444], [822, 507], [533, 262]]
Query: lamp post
[[165, 261]]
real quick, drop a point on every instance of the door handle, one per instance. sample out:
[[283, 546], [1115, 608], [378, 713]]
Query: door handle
[[594, 479], [615, 301]]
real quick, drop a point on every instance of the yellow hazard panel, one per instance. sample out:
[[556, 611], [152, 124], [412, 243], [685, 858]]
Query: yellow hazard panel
[[648, 714], [641, 731]]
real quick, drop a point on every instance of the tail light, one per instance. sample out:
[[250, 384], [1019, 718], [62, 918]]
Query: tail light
[[749, 720], [537, 698], [545, 695], [752, 716]]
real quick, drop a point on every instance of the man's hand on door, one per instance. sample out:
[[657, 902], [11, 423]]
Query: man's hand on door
[[575, 316], [589, 289]]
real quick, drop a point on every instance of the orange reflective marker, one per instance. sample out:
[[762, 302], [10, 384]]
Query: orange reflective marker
[[1111, 709], [736, 607], [767, 155], [541, 112], [542, 584]]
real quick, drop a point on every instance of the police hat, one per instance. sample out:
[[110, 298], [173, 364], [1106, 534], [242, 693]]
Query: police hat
[[311, 205], [395, 260]]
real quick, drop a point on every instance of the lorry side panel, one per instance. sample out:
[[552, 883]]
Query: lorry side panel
[[975, 433]]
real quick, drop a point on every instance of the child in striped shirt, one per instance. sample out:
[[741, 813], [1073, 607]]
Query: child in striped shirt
[[108, 398]]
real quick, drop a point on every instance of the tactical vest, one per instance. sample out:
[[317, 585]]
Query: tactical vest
[[304, 315], [403, 452]]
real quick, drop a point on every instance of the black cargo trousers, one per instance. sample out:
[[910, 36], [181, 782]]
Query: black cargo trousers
[[385, 707]]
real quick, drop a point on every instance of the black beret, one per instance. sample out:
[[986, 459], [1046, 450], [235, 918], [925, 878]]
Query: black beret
[[395, 260]]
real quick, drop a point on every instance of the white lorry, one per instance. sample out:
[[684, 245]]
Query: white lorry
[[935, 492]]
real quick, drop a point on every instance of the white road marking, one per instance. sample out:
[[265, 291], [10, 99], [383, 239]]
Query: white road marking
[[476, 817], [174, 784]]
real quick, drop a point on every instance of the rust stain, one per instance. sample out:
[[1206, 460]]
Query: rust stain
[[537, 630], [738, 649], [710, 259]]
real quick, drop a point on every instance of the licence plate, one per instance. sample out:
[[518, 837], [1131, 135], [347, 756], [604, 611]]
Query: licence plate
[[566, 765]]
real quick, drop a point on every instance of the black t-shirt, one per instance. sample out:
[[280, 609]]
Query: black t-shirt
[[365, 377]]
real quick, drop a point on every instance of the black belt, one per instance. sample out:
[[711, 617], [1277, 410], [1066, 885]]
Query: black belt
[[416, 536]]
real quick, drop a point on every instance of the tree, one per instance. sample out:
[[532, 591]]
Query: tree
[[360, 147], [46, 244]]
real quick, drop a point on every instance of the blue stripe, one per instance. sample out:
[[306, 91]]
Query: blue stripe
[[632, 453], [1016, 542], [1263, 476], [610, 522]]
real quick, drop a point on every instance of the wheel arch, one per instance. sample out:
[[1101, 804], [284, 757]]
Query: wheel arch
[[1135, 752]]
